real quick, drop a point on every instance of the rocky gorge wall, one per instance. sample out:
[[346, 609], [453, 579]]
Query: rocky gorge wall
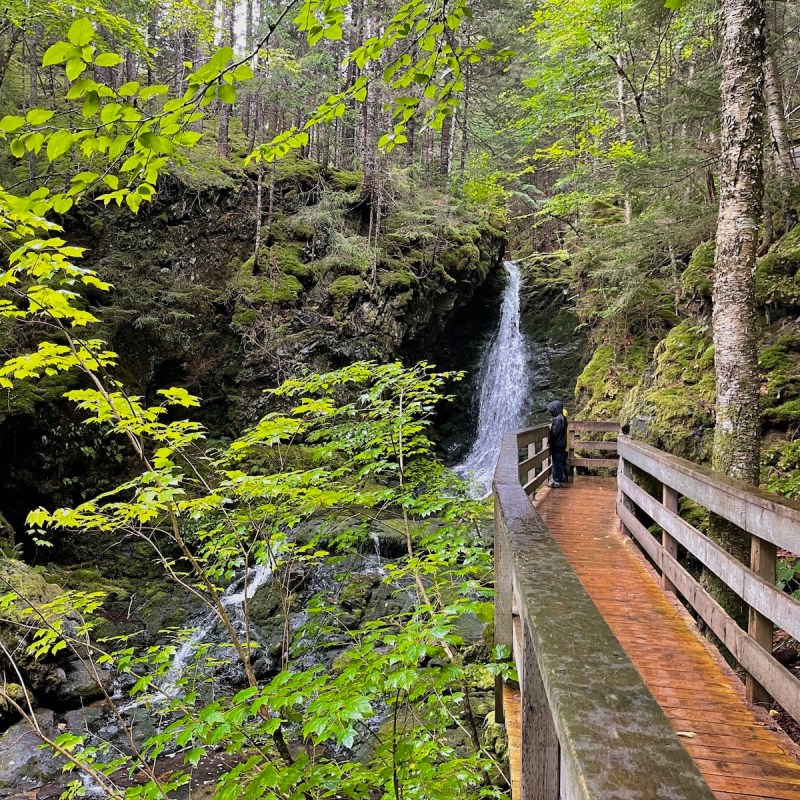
[[190, 305], [663, 387]]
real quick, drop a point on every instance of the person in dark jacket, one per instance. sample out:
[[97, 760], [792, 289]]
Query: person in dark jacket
[[557, 439]]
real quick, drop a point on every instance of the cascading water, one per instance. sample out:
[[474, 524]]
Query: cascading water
[[233, 600], [502, 387]]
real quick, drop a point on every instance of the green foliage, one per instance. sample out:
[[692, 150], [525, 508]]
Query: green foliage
[[351, 445]]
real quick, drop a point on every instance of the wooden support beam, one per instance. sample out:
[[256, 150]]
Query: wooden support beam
[[541, 752], [763, 561], [669, 498]]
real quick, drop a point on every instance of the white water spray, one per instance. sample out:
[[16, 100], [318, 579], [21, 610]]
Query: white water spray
[[232, 599], [503, 387]]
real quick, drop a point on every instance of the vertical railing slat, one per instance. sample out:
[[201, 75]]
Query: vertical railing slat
[[542, 754]]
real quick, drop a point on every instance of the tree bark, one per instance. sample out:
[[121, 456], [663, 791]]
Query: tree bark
[[623, 126], [225, 110], [737, 433], [778, 130]]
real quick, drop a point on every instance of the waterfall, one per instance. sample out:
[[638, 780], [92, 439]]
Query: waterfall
[[233, 599], [502, 389]]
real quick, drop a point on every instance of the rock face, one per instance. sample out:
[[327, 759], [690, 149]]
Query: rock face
[[23, 763], [193, 306], [662, 385]]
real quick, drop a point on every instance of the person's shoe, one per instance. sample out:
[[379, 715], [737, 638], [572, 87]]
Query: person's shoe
[[555, 485]]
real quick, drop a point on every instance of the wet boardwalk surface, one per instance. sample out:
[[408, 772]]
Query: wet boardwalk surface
[[735, 749]]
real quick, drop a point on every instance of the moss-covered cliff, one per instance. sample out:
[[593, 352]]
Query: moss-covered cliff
[[660, 383], [193, 305]]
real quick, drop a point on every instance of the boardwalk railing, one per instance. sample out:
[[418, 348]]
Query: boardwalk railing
[[535, 466], [590, 729], [771, 521]]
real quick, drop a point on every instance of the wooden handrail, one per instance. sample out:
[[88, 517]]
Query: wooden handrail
[[536, 468], [590, 728], [770, 520]]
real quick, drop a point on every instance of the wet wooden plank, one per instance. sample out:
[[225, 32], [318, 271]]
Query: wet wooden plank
[[512, 704], [735, 747], [600, 463], [585, 444], [760, 513]]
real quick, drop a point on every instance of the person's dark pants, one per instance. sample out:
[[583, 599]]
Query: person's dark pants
[[559, 465]]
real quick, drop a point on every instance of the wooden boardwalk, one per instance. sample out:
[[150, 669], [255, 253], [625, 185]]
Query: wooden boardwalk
[[739, 751]]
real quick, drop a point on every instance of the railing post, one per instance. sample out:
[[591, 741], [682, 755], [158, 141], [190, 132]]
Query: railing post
[[504, 590], [531, 472], [625, 469], [763, 561], [541, 752], [546, 462], [669, 498]]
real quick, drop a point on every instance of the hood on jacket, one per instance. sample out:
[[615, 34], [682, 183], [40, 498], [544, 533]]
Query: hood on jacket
[[555, 407]]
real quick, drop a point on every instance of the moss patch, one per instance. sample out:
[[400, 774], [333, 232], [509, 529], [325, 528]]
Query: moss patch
[[777, 272], [673, 405], [697, 279], [780, 388], [346, 287], [606, 380], [399, 281]]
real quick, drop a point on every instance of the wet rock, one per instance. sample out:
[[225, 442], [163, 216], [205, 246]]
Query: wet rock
[[83, 683], [23, 763]]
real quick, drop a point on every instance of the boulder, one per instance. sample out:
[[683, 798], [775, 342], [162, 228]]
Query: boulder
[[24, 764]]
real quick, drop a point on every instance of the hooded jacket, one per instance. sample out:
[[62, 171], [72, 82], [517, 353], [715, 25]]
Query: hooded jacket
[[558, 428]]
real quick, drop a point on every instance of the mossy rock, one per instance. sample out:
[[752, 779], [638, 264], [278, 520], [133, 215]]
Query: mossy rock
[[295, 169], [268, 286], [29, 583], [89, 579], [697, 279], [777, 272], [281, 289], [346, 287], [27, 395], [345, 180], [602, 211], [299, 228], [399, 281], [606, 380], [781, 467], [673, 406], [208, 173], [244, 318], [780, 367], [460, 259]]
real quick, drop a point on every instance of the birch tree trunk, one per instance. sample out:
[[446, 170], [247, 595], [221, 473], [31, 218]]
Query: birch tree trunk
[[778, 131], [225, 109], [737, 434], [623, 125]]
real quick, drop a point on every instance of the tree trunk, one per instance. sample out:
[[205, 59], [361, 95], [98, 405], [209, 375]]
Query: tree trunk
[[778, 131], [737, 434], [14, 38], [462, 167], [259, 206], [348, 127], [623, 126], [224, 109], [249, 43], [445, 146]]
